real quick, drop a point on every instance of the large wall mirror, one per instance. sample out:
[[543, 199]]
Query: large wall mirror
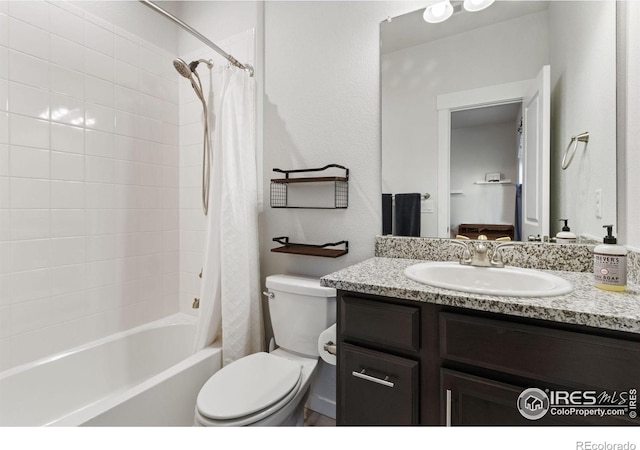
[[479, 111]]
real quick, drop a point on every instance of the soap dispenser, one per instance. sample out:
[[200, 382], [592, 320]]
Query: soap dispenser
[[566, 236], [610, 264]]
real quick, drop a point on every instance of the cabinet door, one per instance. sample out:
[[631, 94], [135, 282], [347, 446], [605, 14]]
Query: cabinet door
[[376, 388], [471, 400]]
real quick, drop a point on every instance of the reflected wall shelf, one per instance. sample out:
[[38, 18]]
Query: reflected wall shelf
[[311, 250], [494, 182], [280, 186]]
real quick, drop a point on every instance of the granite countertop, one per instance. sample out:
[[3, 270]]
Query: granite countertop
[[586, 305]]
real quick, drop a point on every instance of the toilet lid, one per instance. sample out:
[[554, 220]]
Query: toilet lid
[[248, 385]]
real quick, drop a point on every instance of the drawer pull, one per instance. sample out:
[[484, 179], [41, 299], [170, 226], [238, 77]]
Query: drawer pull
[[364, 376], [448, 411]]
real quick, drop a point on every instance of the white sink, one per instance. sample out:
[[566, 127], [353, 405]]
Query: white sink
[[504, 281]]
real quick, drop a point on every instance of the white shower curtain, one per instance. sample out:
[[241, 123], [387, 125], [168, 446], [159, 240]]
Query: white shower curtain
[[230, 290]]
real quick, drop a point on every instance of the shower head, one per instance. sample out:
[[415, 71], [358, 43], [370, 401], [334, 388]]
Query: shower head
[[182, 67], [186, 70]]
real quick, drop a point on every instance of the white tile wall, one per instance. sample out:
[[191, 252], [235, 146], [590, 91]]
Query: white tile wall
[[89, 218]]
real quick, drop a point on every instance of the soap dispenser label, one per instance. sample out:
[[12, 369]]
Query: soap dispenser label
[[610, 269]]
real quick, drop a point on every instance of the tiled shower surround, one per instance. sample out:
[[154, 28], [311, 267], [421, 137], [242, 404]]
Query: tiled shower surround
[[89, 178]]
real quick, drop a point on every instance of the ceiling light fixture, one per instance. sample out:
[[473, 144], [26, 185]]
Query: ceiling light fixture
[[438, 12], [476, 5]]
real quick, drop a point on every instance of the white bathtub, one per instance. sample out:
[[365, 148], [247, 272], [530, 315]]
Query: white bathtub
[[146, 376]]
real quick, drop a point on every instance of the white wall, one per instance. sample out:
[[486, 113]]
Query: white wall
[[583, 59], [88, 180], [412, 79], [476, 151], [216, 20], [322, 106]]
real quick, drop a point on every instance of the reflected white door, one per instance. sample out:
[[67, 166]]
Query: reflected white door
[[536, 155]]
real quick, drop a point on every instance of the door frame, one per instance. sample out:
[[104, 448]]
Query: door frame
[[457, 101]]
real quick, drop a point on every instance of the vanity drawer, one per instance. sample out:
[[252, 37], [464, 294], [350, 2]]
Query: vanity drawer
[[386, 324], [556, 356], [377, 388]]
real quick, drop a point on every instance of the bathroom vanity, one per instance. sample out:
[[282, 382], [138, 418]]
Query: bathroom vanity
[[412, 354]]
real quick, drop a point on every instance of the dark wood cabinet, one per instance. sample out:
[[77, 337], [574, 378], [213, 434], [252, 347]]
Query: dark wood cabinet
[[455, 366]]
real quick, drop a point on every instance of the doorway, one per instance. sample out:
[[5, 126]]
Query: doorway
[[534, 96], [486, 170]]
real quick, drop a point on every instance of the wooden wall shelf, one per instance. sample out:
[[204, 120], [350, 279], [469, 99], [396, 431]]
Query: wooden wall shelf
[[494, 182], [310, 249]]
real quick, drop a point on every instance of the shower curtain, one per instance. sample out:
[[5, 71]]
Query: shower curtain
[[230, 289]]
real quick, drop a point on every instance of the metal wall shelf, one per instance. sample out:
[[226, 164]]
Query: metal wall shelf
[[280, 187]]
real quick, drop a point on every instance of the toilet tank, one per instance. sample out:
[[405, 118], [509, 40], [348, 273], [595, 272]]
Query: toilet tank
[[300, 309]]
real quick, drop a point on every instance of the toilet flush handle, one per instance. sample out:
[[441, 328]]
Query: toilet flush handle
[[330, 348], [269, 295]]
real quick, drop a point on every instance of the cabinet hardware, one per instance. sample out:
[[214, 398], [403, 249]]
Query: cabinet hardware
[[448, 418], [366, 377]]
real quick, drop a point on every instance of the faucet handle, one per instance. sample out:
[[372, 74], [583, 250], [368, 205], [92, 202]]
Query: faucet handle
[[466, 253], [496, 256], [496, 259]]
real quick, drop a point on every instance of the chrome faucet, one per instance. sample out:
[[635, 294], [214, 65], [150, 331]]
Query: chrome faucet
[[478, 254]]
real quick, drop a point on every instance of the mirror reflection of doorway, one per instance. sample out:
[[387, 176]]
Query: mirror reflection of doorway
[[486, 168], [534, 97]]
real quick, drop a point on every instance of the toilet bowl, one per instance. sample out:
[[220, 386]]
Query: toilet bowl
[[271, 389]]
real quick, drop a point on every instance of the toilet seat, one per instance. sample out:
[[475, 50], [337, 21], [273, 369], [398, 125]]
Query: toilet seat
[[249, 389]]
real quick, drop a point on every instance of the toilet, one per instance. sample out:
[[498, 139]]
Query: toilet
[[270, 389]]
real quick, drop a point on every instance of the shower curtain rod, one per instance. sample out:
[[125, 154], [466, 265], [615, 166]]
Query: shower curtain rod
[[187, 28]]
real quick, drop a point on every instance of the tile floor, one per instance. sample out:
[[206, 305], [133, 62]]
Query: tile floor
[[313, 419]]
